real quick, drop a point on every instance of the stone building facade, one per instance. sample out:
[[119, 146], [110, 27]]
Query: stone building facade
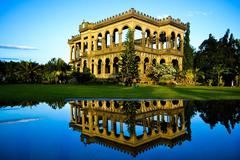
[[99, 45]]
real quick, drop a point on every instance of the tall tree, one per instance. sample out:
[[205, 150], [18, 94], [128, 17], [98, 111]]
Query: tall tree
[[56, 70], [29, 71], [129, 63], [218, 59], [188, 50]]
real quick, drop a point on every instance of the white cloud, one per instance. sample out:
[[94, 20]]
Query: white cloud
[[20, 47], [198, 13]]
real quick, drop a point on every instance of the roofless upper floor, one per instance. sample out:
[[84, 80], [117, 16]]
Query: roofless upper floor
[[131, 19]]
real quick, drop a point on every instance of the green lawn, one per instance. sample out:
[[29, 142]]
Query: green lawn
[[59, 92]]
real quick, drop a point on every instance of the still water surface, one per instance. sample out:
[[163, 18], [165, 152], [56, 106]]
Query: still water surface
[[120, 129]]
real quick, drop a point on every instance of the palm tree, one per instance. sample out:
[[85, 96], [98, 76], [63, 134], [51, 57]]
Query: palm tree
[[29, 71]]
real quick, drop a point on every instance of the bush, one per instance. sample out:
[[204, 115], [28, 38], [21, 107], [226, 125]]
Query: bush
[[83, 77]]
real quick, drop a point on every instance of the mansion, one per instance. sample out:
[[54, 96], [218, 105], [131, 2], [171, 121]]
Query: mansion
[[99, 45]]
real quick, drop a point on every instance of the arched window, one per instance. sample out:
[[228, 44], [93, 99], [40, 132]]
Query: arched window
[[179, 42], [162, 61], [107, 39], [99, 41], [107, 65], [138, 35], [173, 38], [154, 62], [115, 36], [146, 61], [163, 40], [99, 66], [175, 63], [154, 40], [84, 64], [115, 65], [147, 38], [92, 66], [124, 33]]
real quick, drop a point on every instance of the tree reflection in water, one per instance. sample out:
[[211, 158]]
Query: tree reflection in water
[[135, 126]]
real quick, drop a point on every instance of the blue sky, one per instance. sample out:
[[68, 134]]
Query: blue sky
[[38, 30]]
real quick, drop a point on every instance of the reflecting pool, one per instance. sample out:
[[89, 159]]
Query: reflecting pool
[[120, 129]]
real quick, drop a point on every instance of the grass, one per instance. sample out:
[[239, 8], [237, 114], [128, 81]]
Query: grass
[[39, 92]]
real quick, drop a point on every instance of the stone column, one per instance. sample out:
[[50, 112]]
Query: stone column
[[95, 68], [83, 120], [161, 45], [111, 41], [103, 69], [75, 52], [120, 38], [143, 39], [95, 44], [89, 44], [82, 46], [175, 43], [71, 50], [103, 43], [121, 127], [157, 43], [111, 66], [90, 118], [151, 42]]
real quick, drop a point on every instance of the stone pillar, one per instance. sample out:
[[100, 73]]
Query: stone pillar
[[71, 50], [175, 43], [103, 43], [111, 41], [111, 66], [75, 52], [95, 44], [161, 45], [89, 44], [83, 120], [120, 38], [90, 119], [82, 46], [143, 39], [151, 42], [168, 41], [95, 70], [157, 43], [121, 127], [103, 69]]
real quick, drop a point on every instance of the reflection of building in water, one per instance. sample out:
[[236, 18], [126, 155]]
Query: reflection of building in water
[[131, 126]]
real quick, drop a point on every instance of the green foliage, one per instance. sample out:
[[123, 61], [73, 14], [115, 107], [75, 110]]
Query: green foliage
[[219, 59], [128, 63], [29, 72], [161, 71], [188, 50], [56, 71], [83, 77]]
